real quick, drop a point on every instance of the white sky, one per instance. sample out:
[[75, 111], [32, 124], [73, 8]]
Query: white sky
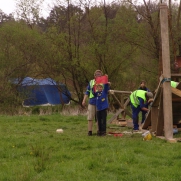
[[9, 6]]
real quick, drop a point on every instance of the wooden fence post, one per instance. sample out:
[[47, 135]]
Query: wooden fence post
[[167, 96]]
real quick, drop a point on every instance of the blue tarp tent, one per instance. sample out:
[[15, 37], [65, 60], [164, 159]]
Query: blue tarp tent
[[43, 92]]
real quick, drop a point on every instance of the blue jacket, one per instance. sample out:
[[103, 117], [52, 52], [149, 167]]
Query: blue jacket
[[142, 103], [102, 98], [145, 104], [145, 89]]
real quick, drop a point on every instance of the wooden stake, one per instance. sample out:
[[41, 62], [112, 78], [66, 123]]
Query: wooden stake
[[167, 97]]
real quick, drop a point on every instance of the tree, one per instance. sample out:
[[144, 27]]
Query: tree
[[64, 33], [5, 18], [29, 11], [20, 50]]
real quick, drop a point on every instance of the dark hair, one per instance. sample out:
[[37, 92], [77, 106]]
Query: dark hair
[[143, 81]]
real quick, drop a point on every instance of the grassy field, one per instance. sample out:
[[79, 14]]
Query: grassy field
[[31, 150]]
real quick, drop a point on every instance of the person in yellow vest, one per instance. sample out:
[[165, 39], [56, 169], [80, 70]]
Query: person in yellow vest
[[174, 84], [92, 101], [143, 87], [138, 99]]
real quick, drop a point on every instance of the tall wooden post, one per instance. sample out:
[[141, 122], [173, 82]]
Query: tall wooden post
[[167, 96]]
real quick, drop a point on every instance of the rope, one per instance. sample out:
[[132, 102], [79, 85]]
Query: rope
[[165, 80]]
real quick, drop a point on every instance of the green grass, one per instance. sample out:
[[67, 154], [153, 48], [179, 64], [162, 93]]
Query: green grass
[[31, 150]]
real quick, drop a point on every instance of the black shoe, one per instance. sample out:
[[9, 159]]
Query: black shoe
[[90, 133], [103, 134], [98, 133]]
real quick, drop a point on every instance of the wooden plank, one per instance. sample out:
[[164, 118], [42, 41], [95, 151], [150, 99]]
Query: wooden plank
[[176, 91], [154, 118], [155, 110], [127, 102], [128, 113], [175, 75], [121, 92], [160, 122], [123, 106], [155, 104], [122, 103], [115, 115], [156, 100], [147, 121]]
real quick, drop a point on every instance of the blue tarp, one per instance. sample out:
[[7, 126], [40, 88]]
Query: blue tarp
[[43, 92]]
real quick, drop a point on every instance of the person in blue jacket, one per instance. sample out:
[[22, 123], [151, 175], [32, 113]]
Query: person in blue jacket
[[92, 101], [143, 112], [138, 100], [102, 105]]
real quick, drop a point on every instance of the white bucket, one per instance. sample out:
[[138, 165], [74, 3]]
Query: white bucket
[[59, 130]]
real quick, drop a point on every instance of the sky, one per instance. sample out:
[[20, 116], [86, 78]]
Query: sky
[[9, 6]]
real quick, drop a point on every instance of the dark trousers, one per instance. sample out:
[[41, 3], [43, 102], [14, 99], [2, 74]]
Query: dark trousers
[[101, 118], [143, 116], [144, 113], [135, 113]]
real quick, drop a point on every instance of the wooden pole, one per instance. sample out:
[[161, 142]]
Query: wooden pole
[[167, 96], [121, 92]]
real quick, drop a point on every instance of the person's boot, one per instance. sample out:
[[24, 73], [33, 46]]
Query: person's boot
[[98, 133], [103, 133], [90, 133]]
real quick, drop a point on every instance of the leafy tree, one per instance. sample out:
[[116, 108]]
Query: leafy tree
[[5, 18], [20, 50], [121, 39], [112, 32], [29, 11], [64, 34]]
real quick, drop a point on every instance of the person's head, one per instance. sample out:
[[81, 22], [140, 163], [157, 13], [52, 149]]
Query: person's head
[[98, 73], [143, 84], [148, 95], [99, 87]]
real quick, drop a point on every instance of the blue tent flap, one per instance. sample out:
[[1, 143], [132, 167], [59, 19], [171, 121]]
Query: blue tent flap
[[43, 92]]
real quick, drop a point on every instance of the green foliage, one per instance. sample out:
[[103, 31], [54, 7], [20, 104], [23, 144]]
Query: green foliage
[[36, 110], [32, 150], [20, 49], [121, 39]]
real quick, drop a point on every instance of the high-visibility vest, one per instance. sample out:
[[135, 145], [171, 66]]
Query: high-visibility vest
[[92, 83], [174, 84], [134, 97]]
